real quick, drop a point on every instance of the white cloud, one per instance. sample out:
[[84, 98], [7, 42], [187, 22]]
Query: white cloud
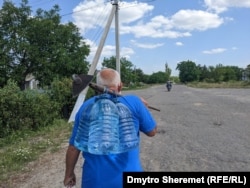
[[136, 20], [149, 31], [223, 5], [86, 17], [108, 51], [179, 44], [147, 46], [157, 27], [131, 12], [133, 16], [195, 20], [126, 52], [179, 25], [93, 47], [214, 51]]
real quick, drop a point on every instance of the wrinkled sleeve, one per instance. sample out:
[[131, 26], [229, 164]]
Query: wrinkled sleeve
[[146, 120], [75, 127]]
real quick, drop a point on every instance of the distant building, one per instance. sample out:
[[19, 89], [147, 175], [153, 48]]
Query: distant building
[[31, 82], [246, 75]]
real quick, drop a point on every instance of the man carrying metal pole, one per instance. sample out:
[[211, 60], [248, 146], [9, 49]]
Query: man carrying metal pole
[[106, 169]]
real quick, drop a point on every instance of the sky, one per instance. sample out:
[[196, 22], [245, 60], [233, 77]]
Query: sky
[[155, 32]]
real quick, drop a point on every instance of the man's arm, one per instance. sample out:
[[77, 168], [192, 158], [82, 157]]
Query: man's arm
[[71, 160], [152, 133], [144, 101]]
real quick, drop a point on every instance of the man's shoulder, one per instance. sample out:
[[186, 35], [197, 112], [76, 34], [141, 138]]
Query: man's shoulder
[[87, 102], [132, 101], [131, 96], [90, 99]]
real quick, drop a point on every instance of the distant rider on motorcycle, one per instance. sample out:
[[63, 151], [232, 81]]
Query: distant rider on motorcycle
[[169, 85]]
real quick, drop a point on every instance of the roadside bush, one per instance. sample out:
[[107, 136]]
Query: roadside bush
[[61, 91], [38, 109], [27, 109]]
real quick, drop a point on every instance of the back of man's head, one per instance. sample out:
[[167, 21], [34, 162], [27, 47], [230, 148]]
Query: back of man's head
[[109, 78]]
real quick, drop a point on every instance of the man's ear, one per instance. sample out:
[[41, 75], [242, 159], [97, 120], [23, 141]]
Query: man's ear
[[120, 87]]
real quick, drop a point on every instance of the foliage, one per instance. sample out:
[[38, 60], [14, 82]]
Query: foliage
[[139, 75], [29, 109], [158, 77], [24, 146], [174, 79], [246, 73], [188, 71], [127, 68], [168, 71], [132, 76], [61, 92], [230, 84], [39, 45]]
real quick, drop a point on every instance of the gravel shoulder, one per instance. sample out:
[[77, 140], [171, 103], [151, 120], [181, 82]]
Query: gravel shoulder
[[198, 130]]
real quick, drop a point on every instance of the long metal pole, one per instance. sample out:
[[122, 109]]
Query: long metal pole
[[117, 39], [81, 96]]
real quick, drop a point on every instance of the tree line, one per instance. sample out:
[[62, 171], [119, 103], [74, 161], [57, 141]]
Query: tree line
[[190, 72], [41, 45]]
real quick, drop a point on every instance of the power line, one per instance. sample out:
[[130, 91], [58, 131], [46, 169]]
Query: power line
[[96, 35], [84, 9]]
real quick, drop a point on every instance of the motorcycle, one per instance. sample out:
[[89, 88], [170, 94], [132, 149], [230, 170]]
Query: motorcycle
[[169, 86]]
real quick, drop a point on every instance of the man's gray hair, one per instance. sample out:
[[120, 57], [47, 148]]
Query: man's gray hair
[[110, 79]]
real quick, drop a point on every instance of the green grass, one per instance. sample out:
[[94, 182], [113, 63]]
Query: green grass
[[18, 149], [242, 84], [138, 87]]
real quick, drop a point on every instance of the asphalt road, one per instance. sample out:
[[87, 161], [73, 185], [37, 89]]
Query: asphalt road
[[198, 129]]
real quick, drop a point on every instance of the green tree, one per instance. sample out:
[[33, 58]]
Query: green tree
[[61, 92], [158, 77], [188, 71], [237, 72], [204, 72], [145, 78], [127, 68], [139, 75], [29, 109], [39, 45], [210, 75], [229, 74], [109, 62], [167, 71], [247, 72]]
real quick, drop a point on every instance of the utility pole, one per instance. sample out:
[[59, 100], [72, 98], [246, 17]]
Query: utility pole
[[117, 39], [82, 95]]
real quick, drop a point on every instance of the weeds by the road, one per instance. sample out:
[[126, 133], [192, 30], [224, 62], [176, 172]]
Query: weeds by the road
[[242, 84], [22, 147]]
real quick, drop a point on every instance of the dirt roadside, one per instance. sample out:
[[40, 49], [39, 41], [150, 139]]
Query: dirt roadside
[[199, 130]]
